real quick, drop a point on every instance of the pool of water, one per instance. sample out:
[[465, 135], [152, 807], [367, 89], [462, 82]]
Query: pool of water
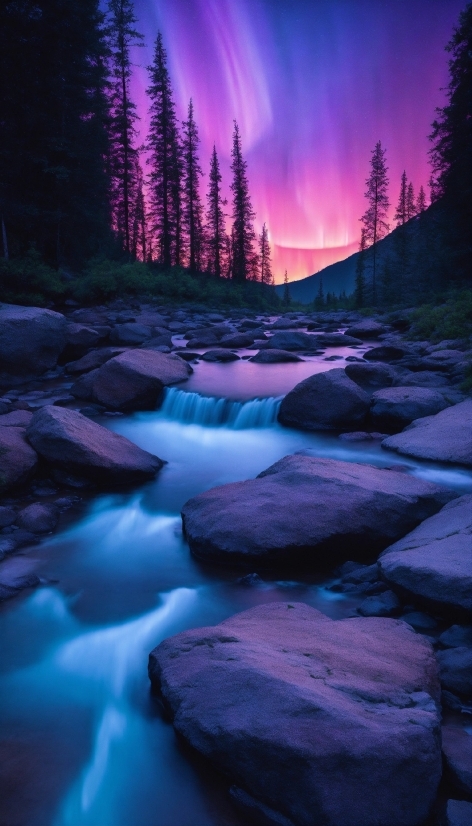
[[83, 743]]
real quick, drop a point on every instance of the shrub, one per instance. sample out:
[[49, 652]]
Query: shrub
[[449, 320], [28, 281]]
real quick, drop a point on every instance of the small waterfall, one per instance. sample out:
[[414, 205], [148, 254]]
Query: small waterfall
[[191, 408]]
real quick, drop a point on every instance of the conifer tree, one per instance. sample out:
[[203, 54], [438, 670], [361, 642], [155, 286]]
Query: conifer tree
[[374, 218], [54, 184], [122, 35], [402, 206], [319, 298], [139, 248], [216, 238], [451, 154], [420, 201], [192, 205], [360, 289], [286, 299], [165, 161], [266, 276], [410, 202], [244, 257]]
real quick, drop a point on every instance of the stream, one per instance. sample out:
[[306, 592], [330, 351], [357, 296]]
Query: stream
[[86, 743]]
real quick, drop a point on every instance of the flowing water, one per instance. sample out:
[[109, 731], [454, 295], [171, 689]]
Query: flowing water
[[82, 742]]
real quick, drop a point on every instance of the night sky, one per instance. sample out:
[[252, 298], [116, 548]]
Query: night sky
[[313, 84]]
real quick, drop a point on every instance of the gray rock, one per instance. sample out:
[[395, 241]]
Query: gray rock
[[433, 561], [356, 738], [274, 357], [237, 340], [383, 605], [371, 376], [386, 352], [457, 751], [93, 360], [31, 339], [72, 442], [399, 406], [130, 333], [17, 418], [7, 516], [423, 378], [16, 574], [366, 329], [291, 341], [206, 339], [456, 635], [308, 510], [419, 620], [135, 379], [38, 517], [219, 355], [455, 665], [445, 437], [458, 813], [335, 340], [18, 460], [82, 337], [325, 401]]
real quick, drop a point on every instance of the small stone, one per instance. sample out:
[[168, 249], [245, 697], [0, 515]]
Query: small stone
[[384, 605]]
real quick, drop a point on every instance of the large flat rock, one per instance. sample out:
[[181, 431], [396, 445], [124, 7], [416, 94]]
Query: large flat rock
[[317, 721], [135, 379], [31, 339], [433, 562], [308, 511], [73, 442], [326, 401], [445, 437], [18, 460], [399, 406]]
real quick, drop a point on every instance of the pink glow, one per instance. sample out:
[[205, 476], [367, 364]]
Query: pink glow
[[313, 86]]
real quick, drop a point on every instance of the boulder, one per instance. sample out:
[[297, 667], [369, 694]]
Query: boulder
[[366, 329], [18, 460], [17, 418], [40, 517], [237, 340], [458, 813], [308, 511], [457, 751], [385, 352], [424, 378], [93, 360], [399, 406], [371, 375], [70, 441], [455, 665], [433, 561], [31, 339], [445, 437], [456, 635], [381, 605], [81, 337], [274, 357], [206, 339], [7, 516], [325, 401], [291, 341], [314, 720], [16, 574], [135, 379], [219, 355], [130, 333], [335, 340]]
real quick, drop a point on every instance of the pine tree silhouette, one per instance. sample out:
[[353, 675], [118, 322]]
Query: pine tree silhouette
[[374, 218], [165, 161], [192, 209], [244, 257]]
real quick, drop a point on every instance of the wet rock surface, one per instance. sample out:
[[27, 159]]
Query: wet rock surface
[[433, 561], [308, 510], [71, 441], [339, 691], [326, 401], [445, 437]]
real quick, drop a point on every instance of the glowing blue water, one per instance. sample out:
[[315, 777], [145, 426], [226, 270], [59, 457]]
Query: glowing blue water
[[85, 744]]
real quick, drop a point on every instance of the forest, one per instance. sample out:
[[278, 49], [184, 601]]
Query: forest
[[88, 213]]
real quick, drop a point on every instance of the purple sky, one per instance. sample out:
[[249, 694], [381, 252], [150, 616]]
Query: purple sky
[[313, 84]]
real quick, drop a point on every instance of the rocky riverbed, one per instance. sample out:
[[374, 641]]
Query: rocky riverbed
[[313, 720]]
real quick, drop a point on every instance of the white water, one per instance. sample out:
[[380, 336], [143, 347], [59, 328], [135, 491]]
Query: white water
[[192, 408]]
